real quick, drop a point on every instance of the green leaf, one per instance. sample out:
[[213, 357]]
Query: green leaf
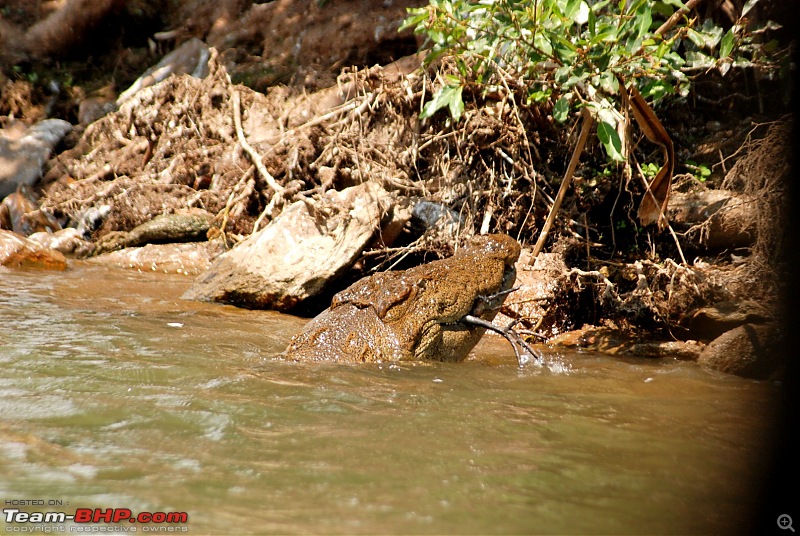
[[561, 109], [539, 96], [456, 104], [695, 37], [571, 9], [582, 17], [609, 83], [449, 97], [610, 139], [726, 44], [657, 89], [750, 4], [416, 15], [436, 36], [644, 19], [561, 74]]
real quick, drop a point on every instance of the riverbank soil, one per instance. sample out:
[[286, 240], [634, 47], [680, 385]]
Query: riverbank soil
[[304, 97]]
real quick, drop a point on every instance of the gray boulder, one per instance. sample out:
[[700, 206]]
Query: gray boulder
[[308, 246], [24, 152], [189, 58]]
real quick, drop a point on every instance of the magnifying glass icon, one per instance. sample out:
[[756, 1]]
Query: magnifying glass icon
[[785, 522]]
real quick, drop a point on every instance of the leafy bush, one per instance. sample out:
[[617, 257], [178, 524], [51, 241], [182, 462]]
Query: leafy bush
[[572, 53]]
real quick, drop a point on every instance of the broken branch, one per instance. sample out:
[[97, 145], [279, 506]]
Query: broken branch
[[573, 163], [254, 156]]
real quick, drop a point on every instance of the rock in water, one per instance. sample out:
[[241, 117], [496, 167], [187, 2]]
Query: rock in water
[[20, 212], [301, 251], [417, 313], [749, 351], [16, 251], [67, 241]]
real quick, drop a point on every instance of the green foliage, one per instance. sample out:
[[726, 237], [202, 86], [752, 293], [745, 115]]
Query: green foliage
[[448, 97], [701, 171], [572, 52]]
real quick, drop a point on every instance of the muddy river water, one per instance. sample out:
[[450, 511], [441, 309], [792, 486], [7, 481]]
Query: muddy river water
[[115, 393]]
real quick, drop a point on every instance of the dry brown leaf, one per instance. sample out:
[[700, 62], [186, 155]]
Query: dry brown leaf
[[653, 207]]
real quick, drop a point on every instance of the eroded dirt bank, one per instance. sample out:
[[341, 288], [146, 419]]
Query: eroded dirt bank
[[293, 106]]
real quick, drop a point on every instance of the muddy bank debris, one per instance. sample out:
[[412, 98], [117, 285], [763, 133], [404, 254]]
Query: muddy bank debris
[[253, 160]]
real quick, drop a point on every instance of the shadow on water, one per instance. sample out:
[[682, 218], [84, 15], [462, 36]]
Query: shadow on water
[[116, 393]]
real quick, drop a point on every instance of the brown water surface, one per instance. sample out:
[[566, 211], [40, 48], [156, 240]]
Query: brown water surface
[[114, 393]]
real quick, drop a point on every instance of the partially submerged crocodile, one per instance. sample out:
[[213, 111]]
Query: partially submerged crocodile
[[426, 312]]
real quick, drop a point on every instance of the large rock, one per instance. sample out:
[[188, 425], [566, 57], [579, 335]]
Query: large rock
[[538, 284], [750, 351], [299, 253], [710, 322], [16, 251], [23, 152]]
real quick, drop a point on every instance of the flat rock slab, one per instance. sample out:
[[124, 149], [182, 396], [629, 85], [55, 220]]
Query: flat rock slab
[[619, 343], [299, 253], [68, 241], [16, 251], [191, 258]]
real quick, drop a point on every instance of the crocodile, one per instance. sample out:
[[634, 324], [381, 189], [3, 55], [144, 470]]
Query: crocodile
[[422, 313]]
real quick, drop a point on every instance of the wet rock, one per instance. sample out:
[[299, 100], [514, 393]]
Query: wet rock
[[20, 212], [299, 253], [23, 152], [189, 58], [414, 314], [624, 344], [16, 251], [708, 323], [192, 258], [750, 351], [538, 285], [186, 226], [68, 241]]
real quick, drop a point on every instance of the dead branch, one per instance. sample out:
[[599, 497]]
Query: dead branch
[[254, 156], [573, 163]]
